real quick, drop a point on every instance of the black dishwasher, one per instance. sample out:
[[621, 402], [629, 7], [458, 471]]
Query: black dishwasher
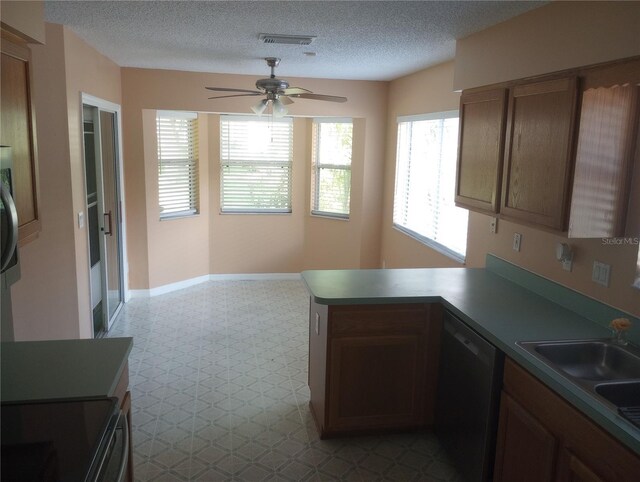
[[468, 399]]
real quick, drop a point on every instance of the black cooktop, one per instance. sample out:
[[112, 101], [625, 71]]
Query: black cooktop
[[54, 440]]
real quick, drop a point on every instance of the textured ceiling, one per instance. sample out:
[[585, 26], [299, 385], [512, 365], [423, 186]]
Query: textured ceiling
[[366, 40]]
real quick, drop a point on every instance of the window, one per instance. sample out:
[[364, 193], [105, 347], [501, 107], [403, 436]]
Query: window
[[255, 164], [331, 183], [177, 163], [425, 183]]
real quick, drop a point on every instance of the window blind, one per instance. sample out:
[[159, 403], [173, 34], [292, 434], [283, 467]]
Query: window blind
[[177, 163], [425, 183], [331, 184], [255, 164]]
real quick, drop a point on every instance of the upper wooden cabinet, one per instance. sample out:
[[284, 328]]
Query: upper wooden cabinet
[[481, 146], [565, 157], [17, 130], [607, 138], [538, 161]]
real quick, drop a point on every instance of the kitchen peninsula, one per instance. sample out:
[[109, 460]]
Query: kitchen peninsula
[[502, 303]]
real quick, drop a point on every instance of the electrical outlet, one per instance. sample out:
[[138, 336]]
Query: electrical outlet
[[493, 225], [517, 240], [601, 273], [81, 220]]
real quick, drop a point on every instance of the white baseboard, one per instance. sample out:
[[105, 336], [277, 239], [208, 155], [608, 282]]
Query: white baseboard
[[179, 285]]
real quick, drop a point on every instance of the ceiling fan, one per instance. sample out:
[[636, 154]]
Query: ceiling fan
[[276, 91]]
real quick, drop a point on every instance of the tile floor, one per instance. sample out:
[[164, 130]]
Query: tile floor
[[218, 377]]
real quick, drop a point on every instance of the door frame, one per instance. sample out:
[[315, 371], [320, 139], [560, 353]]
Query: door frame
[[105, 105]]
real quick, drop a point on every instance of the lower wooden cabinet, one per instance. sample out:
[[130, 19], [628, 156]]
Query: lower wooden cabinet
[[541, 437], [373, 367]]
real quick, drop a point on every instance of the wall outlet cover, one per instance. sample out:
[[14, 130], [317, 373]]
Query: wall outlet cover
[[493, 225], [517, 241], [601, 273]]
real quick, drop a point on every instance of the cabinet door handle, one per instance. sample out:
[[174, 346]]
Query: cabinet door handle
[[110, 232]]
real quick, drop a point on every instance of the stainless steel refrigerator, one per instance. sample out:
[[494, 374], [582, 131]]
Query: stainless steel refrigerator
[[9, 262]]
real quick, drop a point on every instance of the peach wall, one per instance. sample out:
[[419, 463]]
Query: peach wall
[[423, 92], [554, 37], [45, 300], [24, 18], [51, 300], [178, 248], [251, 243]]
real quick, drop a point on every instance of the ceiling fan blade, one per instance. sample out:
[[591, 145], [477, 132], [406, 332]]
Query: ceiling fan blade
[[236, 95], [285, 100], [226, 89], [296, 90], [330, 98]]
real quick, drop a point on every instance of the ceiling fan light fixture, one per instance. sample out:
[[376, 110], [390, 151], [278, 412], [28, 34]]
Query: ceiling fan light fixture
[[279, 110], [260, 107]]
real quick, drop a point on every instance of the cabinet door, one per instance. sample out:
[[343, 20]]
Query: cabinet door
[[539, 152], [17, 130], [480, 150], [604, 156], [572, 469], [525, 450], [374, 382]]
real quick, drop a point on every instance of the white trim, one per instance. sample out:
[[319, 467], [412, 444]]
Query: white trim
[[448, 114], [179, 285], [177, 114], [333, 120], [106, 105]]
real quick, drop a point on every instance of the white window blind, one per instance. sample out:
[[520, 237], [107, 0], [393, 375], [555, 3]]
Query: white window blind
[[331, 184], [255, 164], [177, 163], [425, 183]]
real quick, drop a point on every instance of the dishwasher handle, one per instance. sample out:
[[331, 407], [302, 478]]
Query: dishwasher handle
[[478, 346], [468, 344]]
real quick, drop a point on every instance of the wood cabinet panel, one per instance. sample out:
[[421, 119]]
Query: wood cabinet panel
[[373, 382], [607, 143], [373, 367], [480, 149], [525, 449], [584, 450], [17, 130], [539, 152]]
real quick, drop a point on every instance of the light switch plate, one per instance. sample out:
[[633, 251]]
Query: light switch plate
[[601, 273]]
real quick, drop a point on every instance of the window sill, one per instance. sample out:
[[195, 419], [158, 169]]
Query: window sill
[[179, 216], [335, 217], [432, 244]]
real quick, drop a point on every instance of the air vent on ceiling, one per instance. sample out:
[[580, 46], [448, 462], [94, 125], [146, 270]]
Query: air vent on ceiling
[[268, 38]]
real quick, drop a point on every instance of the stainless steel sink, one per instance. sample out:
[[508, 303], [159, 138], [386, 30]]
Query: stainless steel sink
[[608, 371], [621, 394], [591, 360]]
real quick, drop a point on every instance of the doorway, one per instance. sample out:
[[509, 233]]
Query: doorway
[[105, 226]]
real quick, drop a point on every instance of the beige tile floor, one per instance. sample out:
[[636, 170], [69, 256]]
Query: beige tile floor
[[218, 376]]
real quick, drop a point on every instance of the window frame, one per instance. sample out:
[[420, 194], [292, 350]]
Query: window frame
[[225, 162], [194, 162], [422, 238], [317, 166]]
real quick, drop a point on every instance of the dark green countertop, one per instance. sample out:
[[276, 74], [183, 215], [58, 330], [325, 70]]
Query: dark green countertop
[[500, 310], [44, 370]]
